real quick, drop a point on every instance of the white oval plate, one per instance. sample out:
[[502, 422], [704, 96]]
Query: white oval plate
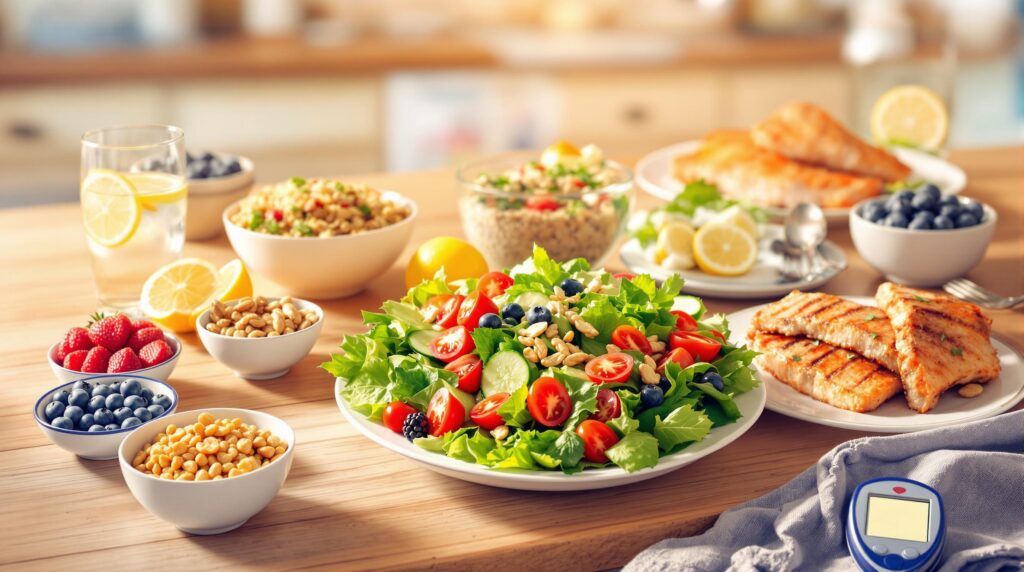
[[894, 416], [762, 281], [751, 404], [654, 174]]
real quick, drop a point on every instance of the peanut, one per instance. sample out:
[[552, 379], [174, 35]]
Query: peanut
[[255, 317]]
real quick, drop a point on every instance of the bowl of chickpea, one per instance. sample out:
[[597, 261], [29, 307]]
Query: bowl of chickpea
[[208, 472]]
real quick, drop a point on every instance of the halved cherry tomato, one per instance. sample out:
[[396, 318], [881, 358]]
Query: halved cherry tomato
[[684, 321], [608, 406], [597, 438], [395, 414], [494, 284], [485, 413], [449, 314], [542, 203], [624, 275], [468, 368], [452, 343], [700, 347], [719, 335], [549, 402], [630, 338], [610, 368], [445, 413], [473, 307], [679, 356]]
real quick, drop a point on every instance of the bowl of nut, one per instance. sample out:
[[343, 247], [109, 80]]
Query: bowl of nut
[[258, 337], [320, 238], [208, 472]]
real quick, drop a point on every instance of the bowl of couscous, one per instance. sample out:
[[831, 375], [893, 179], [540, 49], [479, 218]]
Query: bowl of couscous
[[320, 238]]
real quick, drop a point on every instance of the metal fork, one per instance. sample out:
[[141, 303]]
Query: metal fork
[[972, 292]]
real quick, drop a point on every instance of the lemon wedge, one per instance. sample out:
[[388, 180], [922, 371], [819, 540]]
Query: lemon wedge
[[561, 152], [175, 291], [724, 249], [158, 188], [910, 115], [675, 239], [739, 217], [233, 282], [111, 210]]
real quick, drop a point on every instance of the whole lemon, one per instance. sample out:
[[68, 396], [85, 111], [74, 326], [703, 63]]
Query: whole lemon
[[458, 258]]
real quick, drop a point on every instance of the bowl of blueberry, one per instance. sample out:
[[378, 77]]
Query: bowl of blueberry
[[215, 180], [920, 237], [91, 416]]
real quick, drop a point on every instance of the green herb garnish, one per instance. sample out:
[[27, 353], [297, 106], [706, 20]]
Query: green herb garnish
[[869, 317], [942, 338], [365, 210], [920, 298], [272, 227], [794, 358], [256, 221], [297, 181], [956, 351], [304, 229]]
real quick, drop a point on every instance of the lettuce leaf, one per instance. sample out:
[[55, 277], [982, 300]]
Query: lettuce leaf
[[637, 450], [681, 426]]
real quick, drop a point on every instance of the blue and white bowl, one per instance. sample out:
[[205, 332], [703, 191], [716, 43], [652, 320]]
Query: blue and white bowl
[[99, 445]]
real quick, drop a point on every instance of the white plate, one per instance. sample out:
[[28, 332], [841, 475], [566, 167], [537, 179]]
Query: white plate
[[654, 174], [763, 280], [894, 416], [751, 404]]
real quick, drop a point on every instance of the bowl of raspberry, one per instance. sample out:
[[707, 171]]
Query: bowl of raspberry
[[114, 344]]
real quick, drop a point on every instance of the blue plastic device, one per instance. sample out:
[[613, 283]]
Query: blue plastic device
[[895, 524]]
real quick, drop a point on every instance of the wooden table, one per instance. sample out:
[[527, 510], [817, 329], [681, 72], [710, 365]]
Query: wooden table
[[349, 503]]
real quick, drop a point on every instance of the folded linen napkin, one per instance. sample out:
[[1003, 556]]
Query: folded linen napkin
[[978, 468]]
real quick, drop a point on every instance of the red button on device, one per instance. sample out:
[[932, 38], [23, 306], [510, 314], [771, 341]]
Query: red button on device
[[899, 490]]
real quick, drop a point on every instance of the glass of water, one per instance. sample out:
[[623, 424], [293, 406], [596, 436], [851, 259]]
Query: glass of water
[[133, 195]]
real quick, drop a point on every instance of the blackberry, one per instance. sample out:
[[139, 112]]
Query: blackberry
[[415, 426]]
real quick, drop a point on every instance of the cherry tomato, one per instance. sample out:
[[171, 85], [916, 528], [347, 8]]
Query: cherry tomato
[[452, 343], [608, 406], [679, 356], [468, 368], [610, 368], [701, 348], [542, 203], [624, 275], [445, 413], [485, 413], [684, 321], [395, 414], [494, 284], [473, 307], [549, 402], [449, 314], [597, 438], [437, 303], [719, 335], [630, 338]]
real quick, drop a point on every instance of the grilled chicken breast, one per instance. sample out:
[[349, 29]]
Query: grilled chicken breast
[[806, 132], [746, 172], [834, 320], [829, 374], [940, 342]]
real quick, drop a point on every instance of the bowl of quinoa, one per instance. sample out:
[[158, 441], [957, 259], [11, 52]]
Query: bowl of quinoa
[[573, 203], [320, 238]]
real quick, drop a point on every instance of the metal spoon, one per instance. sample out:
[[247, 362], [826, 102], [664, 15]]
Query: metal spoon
[[788, 256], [805, 228]]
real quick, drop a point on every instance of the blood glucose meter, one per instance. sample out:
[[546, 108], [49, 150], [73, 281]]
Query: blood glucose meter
[[895, 524]]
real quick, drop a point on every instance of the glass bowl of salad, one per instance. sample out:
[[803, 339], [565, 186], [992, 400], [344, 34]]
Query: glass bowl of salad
[[572, 202]]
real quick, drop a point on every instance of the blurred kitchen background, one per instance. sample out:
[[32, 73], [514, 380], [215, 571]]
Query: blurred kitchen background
[[331, 87]]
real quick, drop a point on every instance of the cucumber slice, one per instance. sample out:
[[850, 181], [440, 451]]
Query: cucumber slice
[[420, 341], [465, 399], [505, 372], [692, 305], [530, 299]]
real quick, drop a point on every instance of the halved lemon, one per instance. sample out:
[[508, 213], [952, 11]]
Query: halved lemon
[[233, 282], [111, 210], [175, 291], [560, 152], [739, 217], [724, 249], [910, 115], [158, 188]]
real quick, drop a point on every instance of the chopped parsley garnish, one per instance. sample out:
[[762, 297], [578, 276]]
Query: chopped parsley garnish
[[273, 227], [500, 181], [869, 317], [297, 181], [956, 351], [942, 338], [873, 335], [303, 228], [794, 358], [365, 210], [920, 298], [256, 221]]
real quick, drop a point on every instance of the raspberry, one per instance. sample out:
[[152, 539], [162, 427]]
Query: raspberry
[[141, 338], [155, 352], [124, 360], [75, 359], [96, 361]]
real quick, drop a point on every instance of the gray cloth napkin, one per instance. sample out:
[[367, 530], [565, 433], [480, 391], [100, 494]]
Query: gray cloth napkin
[[978, 468]]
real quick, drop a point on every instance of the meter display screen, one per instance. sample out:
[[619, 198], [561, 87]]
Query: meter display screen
[[900, 519]]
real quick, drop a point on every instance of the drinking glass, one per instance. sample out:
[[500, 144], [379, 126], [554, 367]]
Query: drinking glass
[[133, 195]]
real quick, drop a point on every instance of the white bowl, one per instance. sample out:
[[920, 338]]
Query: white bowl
[[323, 267], [159, 371], [207, 507], [207, 199], [102, 445], [261, 358], [921, 257]]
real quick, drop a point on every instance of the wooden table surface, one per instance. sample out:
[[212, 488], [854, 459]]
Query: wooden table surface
[[349, 503]]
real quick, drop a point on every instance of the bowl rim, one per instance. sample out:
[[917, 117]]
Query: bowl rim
[[127, 466], [619, 187], [174, 357], [202, 331], [991, 216], [49, 394], [413, 214]]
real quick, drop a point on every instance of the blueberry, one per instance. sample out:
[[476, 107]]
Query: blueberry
[[162, 400], [664, 384], [975, 208], [920, 223], [79, 397], [189, 158], [490, 321], [80, 384], [111, 427], [156, 410], [896, 220], [923, 202], [63, 423], [146, 393], [207, 156], [103, 416], [115, 401], [875, 212], [130, 387], [61, 397], [97, 428], [952, 211], [966, 219], [651, 396], [102, 390], [926, 215], [234, 167], [512, 321], [698, 377], [87, 420], [219, 169], [143, 414], [54, 409], [121, 414], [135, 402], [904, 196], [73, 412], [714, 379], [943, 222], [97, 402], [130, 422], [931, 191], [571, 286], [949, 200], [513, 312], [538, 314]]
